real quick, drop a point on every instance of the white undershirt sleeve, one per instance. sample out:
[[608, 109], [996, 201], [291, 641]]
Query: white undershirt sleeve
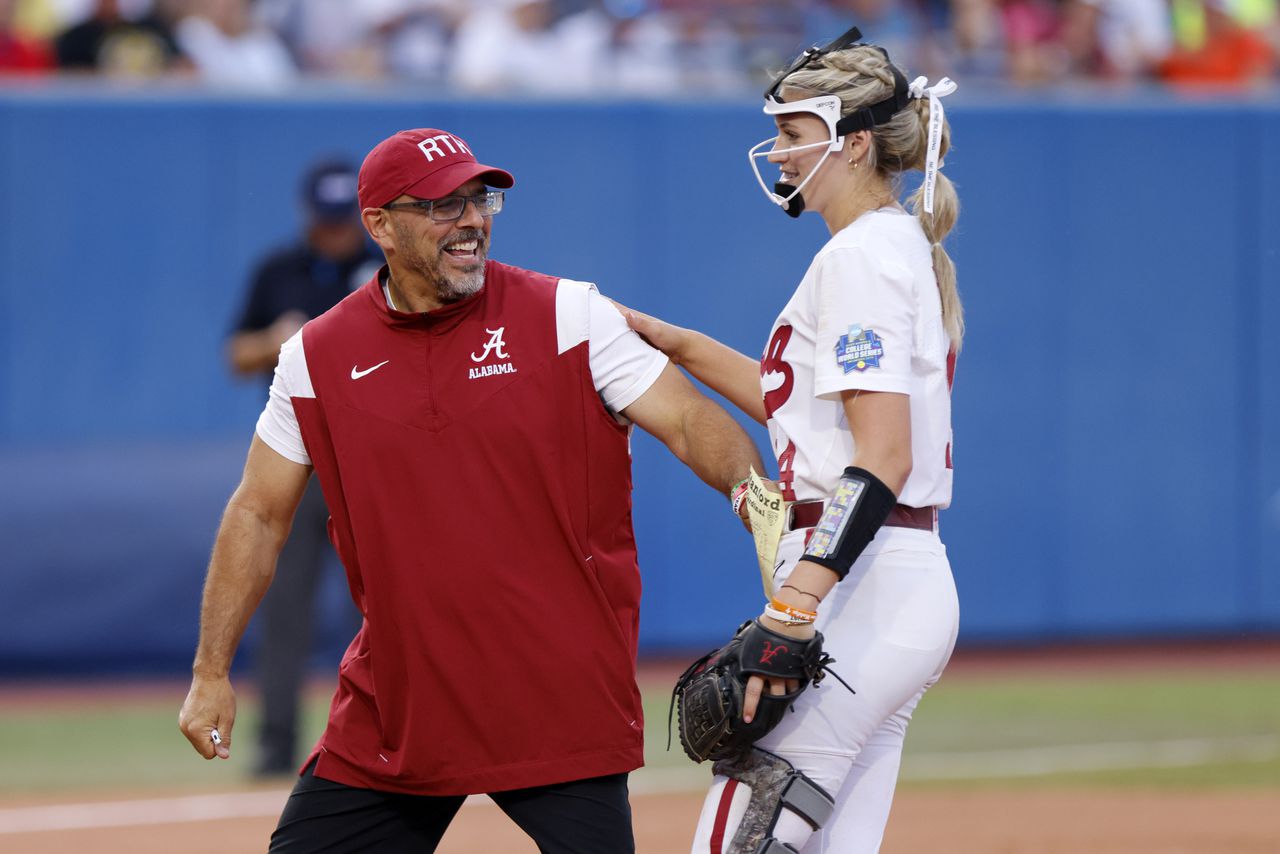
[[623, 366], [278, 424]]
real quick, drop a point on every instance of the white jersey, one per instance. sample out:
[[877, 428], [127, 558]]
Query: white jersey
[[866, 316], [623, 366]]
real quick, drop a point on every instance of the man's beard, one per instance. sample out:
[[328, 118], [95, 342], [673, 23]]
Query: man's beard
[[451, 284], [462, 285]]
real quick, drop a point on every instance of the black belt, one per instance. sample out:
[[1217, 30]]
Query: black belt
[[805, 514]]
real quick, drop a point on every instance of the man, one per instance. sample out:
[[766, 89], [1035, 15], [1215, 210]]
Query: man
[[468, 421], [120, 42], [291, 286]]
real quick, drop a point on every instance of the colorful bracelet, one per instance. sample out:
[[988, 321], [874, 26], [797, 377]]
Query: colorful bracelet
[[785, 618], [738, 495], [815, 596], [790, 614]]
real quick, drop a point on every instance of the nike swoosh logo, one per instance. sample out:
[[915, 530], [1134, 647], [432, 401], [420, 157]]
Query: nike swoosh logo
[[357, 374]]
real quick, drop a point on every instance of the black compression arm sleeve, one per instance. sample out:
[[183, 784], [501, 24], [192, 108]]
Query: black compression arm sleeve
[[855, 512]]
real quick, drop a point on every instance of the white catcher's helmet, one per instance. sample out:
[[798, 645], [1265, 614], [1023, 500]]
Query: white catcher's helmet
[[827, 108]]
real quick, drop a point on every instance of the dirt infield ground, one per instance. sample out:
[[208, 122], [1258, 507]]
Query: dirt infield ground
[[989, 821]]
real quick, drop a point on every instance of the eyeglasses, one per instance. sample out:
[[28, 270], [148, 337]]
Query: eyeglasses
[[451, 208]]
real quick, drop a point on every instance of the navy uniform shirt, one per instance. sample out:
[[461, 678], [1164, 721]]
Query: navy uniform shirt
[[298, 279]]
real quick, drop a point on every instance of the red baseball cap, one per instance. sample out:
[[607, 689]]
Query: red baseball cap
[[424, 162]]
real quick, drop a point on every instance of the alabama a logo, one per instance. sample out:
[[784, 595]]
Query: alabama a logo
[[859, 349], [497, 347]]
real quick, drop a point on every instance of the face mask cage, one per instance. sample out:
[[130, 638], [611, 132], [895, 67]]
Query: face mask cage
[[827, 108]]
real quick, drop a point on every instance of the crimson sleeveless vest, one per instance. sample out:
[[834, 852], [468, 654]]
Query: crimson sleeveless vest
[[480, 500]]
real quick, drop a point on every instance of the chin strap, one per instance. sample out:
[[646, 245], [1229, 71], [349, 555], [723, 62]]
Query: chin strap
[[795, 206], [920, 88]]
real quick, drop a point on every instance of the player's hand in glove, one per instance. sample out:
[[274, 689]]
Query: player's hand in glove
[[763, 685], [712, 694]]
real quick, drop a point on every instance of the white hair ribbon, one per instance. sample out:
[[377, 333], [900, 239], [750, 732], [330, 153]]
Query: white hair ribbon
[[936, 92]]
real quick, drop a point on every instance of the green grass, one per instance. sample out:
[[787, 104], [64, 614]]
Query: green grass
[[136, 743], [126, 743], [1237, 715], [1009, 712]]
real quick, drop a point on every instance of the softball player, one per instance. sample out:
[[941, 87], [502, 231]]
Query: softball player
[[854, 386]]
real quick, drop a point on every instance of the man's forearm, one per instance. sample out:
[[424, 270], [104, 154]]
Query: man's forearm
[[716, 447], [240, 571]]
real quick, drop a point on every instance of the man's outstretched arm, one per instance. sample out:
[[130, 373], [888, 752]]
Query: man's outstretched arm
[[253, 530], [698, 431]]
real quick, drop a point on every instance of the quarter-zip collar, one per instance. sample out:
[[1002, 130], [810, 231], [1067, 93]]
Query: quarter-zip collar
[[437, 320]]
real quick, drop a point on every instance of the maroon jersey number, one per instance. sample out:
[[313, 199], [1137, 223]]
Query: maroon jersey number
[[773, 401], [787, 471], [774, 363], [951, 382]]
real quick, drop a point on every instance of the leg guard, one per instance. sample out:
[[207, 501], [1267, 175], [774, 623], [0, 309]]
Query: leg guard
[[773, 846], [775, 784]]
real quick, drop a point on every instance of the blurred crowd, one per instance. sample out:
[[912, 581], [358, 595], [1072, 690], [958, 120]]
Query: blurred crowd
[[585, 47]]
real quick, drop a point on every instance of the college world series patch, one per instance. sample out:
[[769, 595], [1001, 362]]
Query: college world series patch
[[859, 349]]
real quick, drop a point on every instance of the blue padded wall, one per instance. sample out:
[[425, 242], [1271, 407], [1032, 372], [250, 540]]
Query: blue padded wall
[[1116, 407]]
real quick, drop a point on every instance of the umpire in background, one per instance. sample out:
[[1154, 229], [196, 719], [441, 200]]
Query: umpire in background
[[290, 286]]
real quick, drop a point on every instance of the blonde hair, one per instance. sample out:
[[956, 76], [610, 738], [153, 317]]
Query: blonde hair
[[862, 76]]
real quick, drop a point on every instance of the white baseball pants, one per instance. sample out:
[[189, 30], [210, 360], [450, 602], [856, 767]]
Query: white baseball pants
[[890, 626]]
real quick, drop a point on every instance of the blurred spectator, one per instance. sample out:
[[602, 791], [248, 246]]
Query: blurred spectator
[[19, 53], [1118, 39], [644, 54], [509, 45], [328, 37], [768, 34], [414, 37], [632, 47], [112, 42], [710, 57], [291, 286], [977, 47], [899, 26], [369, 38], [1221, 42], [585, 42], [42, 19], [1032, 31], [647, 47], [227, 46]]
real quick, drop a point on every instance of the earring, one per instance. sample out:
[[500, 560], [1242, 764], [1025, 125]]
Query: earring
[[853, 164]]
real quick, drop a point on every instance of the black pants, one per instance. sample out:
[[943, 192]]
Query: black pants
[[323, 817]]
